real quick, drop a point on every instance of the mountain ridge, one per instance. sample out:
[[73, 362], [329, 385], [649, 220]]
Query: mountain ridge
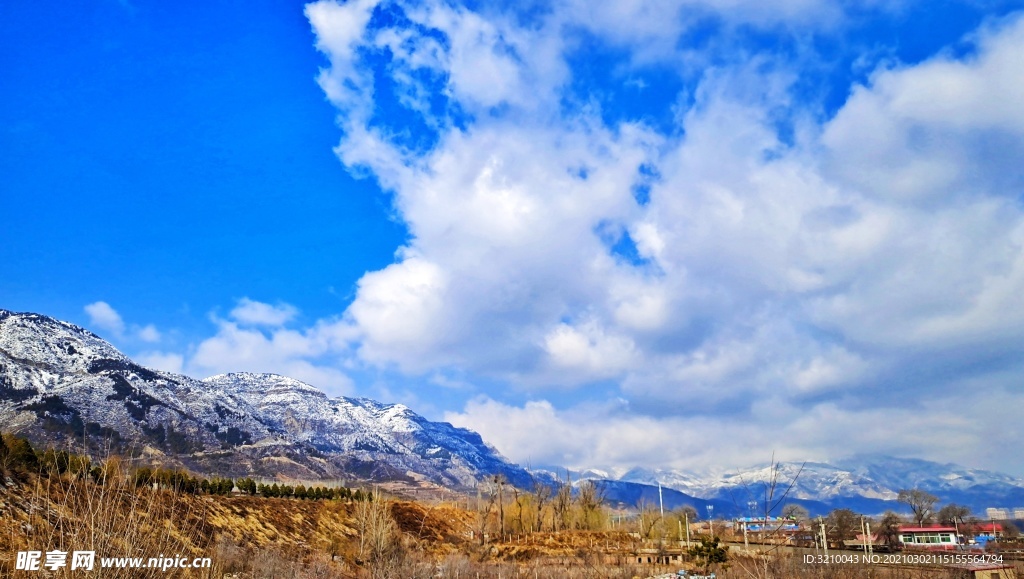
[[864, 483], [60, 382]]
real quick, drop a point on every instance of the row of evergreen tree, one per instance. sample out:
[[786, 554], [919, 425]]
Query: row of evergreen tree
[[181, 481], [18, 456], [312, 493]]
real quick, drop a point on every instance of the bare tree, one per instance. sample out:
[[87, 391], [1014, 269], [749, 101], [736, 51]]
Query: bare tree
[[518, 501], [795, 512], [888, 529], [775, 493], [562, 505], [541, 493], [499, 483], [377, 529], [676, 521], [589, 499], [1010, 529], [921, 503], [484, 507], [953, 514], [650, 516], [841, 524]]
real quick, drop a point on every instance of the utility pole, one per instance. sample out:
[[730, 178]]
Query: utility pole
[[824, 537], [863, 535], [686, 516], [661, 502]]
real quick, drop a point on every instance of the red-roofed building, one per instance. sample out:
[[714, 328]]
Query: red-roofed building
[[988, 530], [929, 537]]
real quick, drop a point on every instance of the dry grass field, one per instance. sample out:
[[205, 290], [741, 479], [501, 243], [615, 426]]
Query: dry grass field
[[257, 537]]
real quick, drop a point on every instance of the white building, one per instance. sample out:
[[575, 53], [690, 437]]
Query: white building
[[1000, 514]]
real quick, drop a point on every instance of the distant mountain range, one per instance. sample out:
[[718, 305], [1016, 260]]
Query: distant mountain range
[[62, 384], [866, 484]]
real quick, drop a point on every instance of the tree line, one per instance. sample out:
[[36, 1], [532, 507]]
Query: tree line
[[17, 456]]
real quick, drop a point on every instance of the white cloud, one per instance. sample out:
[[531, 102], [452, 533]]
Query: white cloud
[[612, 435], [253, 313], [285, 352], [313, 355], [399, 312], [943, 128], [166, 361], [789, 270], [588, 350], [105, 317], [149, 333]]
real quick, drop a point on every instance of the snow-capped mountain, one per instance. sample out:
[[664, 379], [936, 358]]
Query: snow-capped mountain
[[866, 483], [63, 384]]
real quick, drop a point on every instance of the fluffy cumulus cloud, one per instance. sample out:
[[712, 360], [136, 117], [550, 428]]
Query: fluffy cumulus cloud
[[166, 361], [645, 198], [254, 313], [256, 337], [613, 435], [104, 317]]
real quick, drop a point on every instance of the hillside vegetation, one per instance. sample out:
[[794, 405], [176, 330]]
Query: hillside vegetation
[[58, 501]]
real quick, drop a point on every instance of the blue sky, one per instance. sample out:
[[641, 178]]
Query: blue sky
[[578, 228]]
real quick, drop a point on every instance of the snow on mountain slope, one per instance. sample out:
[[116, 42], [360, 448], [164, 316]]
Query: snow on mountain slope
[[910, 472], [366, 429], [64, 380], [859, 482], [62, 383]]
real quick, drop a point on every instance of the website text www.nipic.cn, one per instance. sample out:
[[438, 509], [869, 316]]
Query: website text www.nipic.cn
[[87, 561]]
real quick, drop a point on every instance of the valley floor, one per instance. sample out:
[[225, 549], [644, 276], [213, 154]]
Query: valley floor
[[257, 537]]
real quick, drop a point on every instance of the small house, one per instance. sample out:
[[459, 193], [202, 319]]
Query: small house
[[929, 537]]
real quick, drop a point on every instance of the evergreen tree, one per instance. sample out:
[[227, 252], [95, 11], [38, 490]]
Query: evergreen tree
[[247, 486], [55, 461], [709, 552], [142, 476], [21, 454]]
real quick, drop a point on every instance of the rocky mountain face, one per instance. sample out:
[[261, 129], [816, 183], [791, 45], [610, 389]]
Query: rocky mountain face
[[62, 384]]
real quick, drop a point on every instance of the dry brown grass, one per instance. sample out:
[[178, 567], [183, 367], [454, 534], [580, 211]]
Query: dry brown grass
[[115, 519], [254, 537]]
